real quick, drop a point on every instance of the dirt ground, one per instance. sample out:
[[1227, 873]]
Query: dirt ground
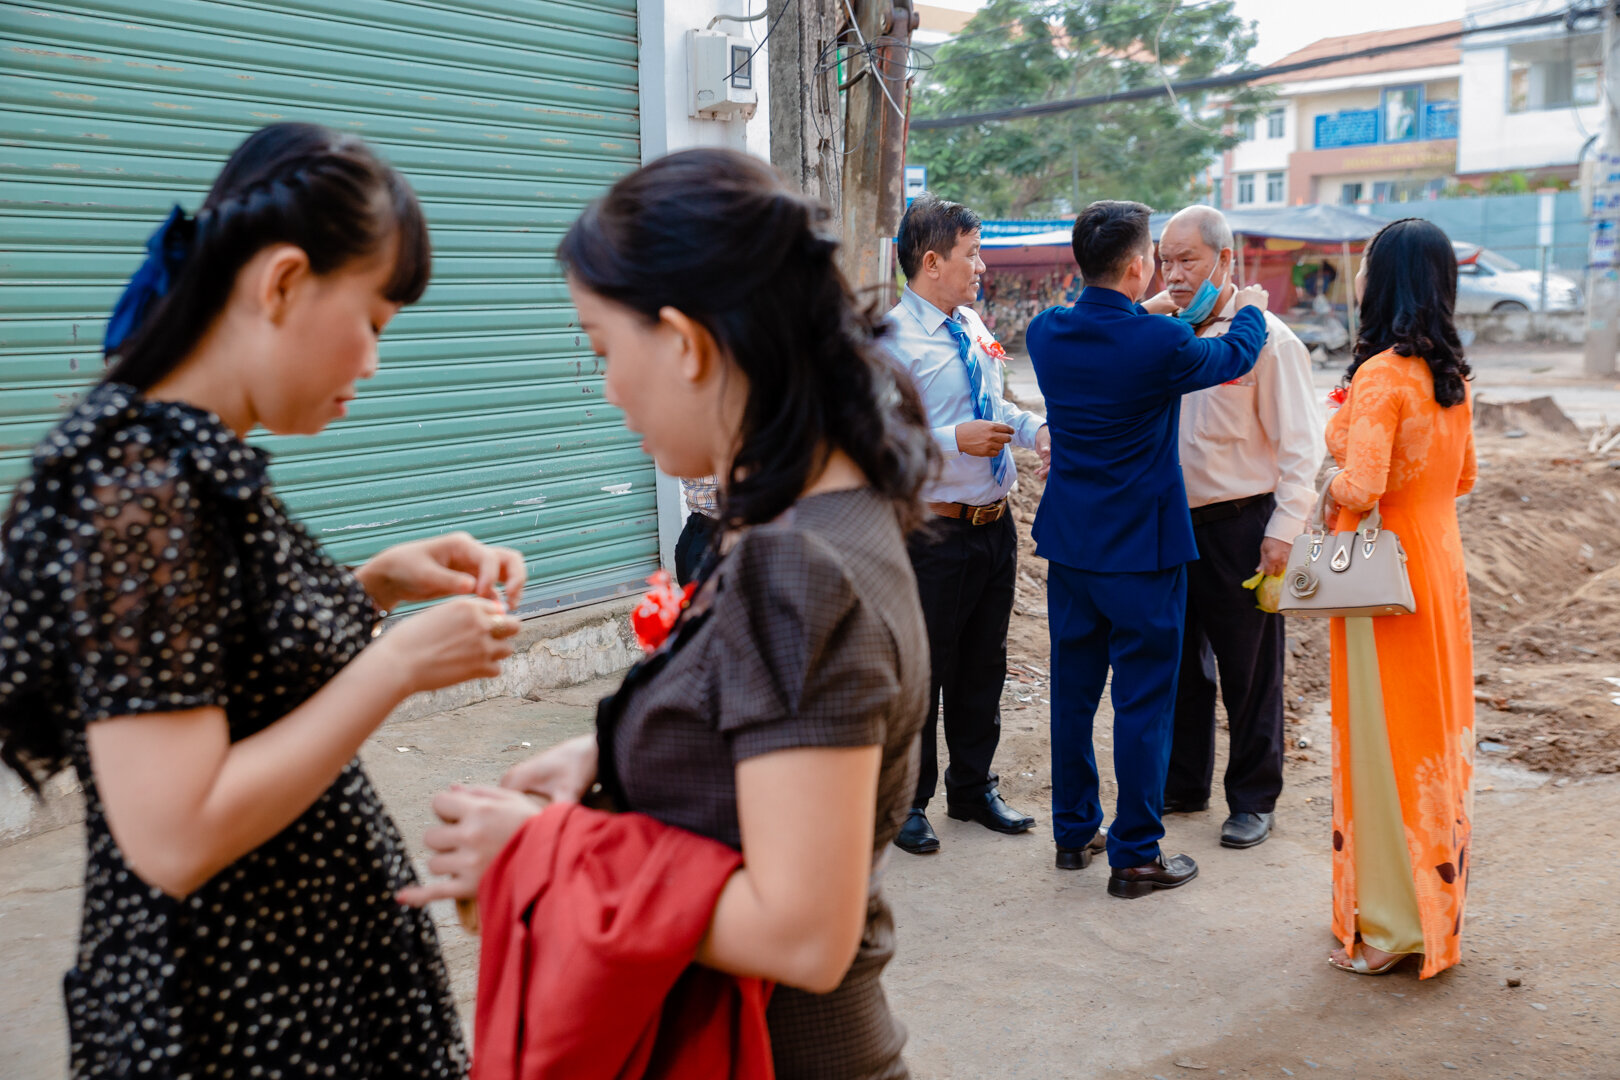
[[1235, 981], [1008, 968], [1541, 534]]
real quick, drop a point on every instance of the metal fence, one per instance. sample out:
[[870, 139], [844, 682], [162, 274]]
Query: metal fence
[[1509, 225]]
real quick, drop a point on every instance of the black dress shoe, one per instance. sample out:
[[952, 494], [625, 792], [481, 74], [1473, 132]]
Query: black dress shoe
[[1069, 858], [1185, 806], [992, 812], [916, 835], [1246, 830], [1130, 882]]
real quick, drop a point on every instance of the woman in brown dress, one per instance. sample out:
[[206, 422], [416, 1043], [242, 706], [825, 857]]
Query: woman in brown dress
[[781, 715]]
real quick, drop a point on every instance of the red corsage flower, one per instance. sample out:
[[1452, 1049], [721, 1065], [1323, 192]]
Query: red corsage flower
[[655, 616], [1337, 396], [993, 347]]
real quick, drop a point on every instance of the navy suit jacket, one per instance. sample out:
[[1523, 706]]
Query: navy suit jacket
[[1113, 377]]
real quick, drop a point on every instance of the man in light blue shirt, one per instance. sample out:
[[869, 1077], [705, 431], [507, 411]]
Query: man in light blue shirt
[[966, 561]]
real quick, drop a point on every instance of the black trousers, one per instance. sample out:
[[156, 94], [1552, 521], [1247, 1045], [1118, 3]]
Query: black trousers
[[1227, 634], [697, 536], [965, 576]]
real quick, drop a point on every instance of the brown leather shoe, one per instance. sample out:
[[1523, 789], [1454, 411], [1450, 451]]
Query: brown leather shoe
[[1129, 882]]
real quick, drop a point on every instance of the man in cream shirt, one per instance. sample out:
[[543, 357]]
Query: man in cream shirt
[[1250, 451]]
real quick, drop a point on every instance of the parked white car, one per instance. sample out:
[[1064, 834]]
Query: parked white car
[[1491, 283]]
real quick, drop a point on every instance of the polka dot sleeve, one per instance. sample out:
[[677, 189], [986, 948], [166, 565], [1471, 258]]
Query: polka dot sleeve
[[147, 606]]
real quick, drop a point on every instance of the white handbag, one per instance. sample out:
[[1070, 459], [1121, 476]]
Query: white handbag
[[1362, 572]]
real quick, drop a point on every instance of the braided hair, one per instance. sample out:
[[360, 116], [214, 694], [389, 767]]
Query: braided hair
[[326, 193], [1410, 304], [717, 235]]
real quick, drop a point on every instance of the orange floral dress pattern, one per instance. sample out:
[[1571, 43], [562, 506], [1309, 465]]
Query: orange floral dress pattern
[[1401, 449]]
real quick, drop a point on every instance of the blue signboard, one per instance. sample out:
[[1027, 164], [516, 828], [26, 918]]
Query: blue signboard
[[916, 181], [1353, 127], [1440, 120], [990, 229]]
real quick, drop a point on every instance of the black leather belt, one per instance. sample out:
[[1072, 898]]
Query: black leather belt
[[1231, 508]]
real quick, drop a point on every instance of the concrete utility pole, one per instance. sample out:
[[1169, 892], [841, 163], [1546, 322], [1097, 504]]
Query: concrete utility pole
[[805, 118], [1603, 260], [877, 112]]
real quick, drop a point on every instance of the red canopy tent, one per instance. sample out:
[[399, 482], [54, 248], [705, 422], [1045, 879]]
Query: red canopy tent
[[1026, 269]]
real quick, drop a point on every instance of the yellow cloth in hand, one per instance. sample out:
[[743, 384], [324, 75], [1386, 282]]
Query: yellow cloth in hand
[[1267, 590]]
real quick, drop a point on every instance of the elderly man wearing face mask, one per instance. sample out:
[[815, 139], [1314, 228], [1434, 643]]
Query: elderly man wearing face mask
[[1250, 450]]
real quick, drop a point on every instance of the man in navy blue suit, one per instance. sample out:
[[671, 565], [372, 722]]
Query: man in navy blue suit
[[1115, 528]]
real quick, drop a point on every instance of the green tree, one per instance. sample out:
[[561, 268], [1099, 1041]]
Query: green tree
[[1016, 52]]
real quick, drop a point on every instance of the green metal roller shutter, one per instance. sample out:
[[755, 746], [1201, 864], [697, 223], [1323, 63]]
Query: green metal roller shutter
[[507, 116]]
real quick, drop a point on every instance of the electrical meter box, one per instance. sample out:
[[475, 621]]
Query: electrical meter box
[[722, 75]]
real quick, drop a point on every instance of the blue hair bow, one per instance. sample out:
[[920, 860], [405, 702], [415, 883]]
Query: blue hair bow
[[166, 252]]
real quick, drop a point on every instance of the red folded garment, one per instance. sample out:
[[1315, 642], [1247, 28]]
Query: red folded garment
[[590, 922]]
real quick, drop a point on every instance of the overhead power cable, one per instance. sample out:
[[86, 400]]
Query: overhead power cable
[[1234, 78]]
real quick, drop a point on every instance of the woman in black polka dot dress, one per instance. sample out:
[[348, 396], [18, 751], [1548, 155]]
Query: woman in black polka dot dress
[[210, 672]]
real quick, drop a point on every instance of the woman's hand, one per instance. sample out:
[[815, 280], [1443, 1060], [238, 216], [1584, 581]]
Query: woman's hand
[[478, 822], [452, 643], [1330, 511], [451, 565], [562, 774], [1325, 502]]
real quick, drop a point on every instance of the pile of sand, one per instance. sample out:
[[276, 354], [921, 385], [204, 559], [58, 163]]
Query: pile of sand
[[1541, 533]]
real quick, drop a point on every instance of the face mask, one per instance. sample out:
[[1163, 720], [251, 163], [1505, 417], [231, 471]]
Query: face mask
[[1203, 302]]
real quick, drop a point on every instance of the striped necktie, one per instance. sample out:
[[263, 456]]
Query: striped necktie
[[982, 407]]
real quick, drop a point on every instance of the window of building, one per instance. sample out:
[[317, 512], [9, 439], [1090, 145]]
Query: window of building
[[1276, 124], [1400, 191], [1349, 194], [1215, 193], [1274, 187], [1403, 110], [1245, 130], [1245, 189], [1554, 74]]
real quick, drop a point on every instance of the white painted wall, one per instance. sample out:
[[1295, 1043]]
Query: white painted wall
[[667, 127], [1263, 153], [1404, 77], [1491, 139]]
